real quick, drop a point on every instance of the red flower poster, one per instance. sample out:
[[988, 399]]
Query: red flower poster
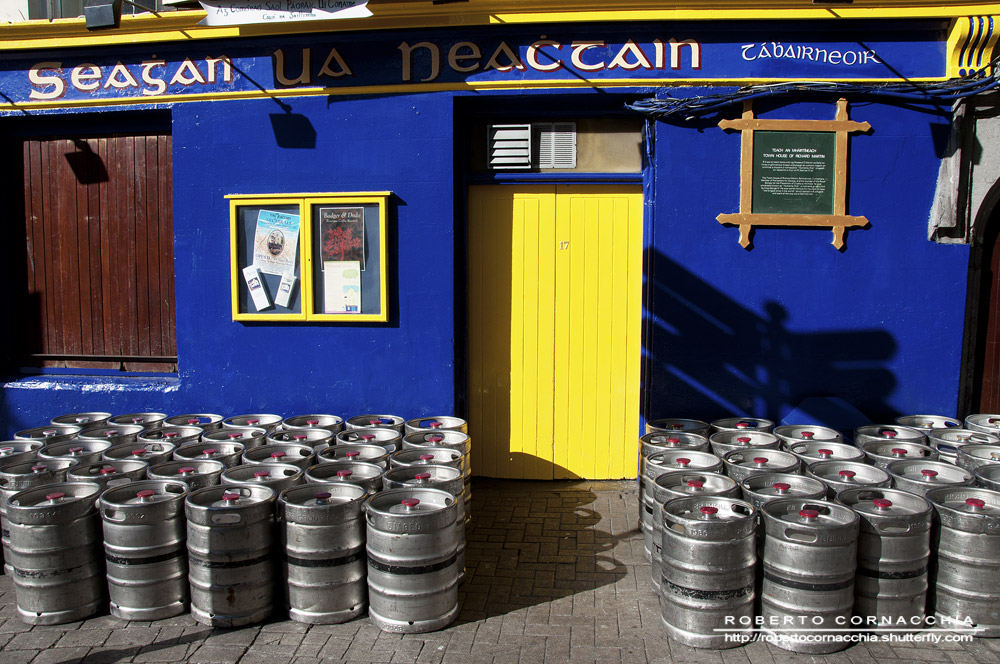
[[342, 230]]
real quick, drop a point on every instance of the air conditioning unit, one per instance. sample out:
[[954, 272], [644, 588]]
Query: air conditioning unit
[[540, 145]]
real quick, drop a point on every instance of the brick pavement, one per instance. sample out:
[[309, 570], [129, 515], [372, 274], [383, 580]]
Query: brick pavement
[[555, 574]]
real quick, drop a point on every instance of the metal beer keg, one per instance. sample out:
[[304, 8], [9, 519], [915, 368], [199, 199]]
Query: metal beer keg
[[740, 464], [888, 433], [107, 474], [322, 533], [366, 475], [144, 549], [196, 474], [665, 462], [314, 439], [443, 423], [965, 574], [974, 455], [808, 453], [142, 420], [206, 421], [758, 490], [727, 441], [151, 453], [228, 454], [82, 420], [658, 441], [988, 476], [247, 437], [428, 456], [890, 585], [389, 439], [709, 558], [881, 454], [53, 433], [793, 434], [448, 439], [368, 453], [230, 566], [742, 424], [331, 423], [412, 544], [983, 423], [175, 435], [840, 475], [948, 442], [671, 486], [810, 555], [18, 477], [266, 421], [919, 477], [112, 434], [380, 421], [19, 451], [55, 551], [81, 451], [278, 476], [678, 425], [296, 455], [928, 423]]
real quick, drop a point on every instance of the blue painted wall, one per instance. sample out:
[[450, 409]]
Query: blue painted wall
[[731, 331]]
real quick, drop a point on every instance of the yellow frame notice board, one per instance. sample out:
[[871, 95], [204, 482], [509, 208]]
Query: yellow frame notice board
[[332, 245]]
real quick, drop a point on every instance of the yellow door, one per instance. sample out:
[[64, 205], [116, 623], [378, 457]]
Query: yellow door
[[555, 283]]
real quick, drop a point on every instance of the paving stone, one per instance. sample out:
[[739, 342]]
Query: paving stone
[[213, 654], [61, 655], [36, 639]]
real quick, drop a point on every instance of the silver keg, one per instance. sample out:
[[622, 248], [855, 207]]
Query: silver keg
[[919, 477], [297, 455], [113, 434], [760, 489], [19, 451], [678, 425], [412, 544], [658, 441], [314, 439], [17, 477], [143, 420], [444, 478], [890, 585], [671, 486], [379, 421], [247, 437], [144, 549], [974, 455], [742, 424], [664, 462], [368, 453], [56, 554], [230, 568], [808, 453], [278, 476], [331, 423], [983, 423], [53, 433], [840, 475], [196, 474], [741, 464], [709, 558], [366, 475], [727, 441], [81, 451], [322, 533], [455, 440], [206, 421], [107, 474], [948, 441], [390, 439], [810, 555], [441, 423], [881, 454], [82, 420], [793, 434], [266, 421], [988, 476], [965, 574], [228, 454], [427, 456], [175, 435], [888, 433], [928, 423], [151, 453]]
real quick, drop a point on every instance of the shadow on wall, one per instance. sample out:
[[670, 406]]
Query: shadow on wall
[[709, 356]]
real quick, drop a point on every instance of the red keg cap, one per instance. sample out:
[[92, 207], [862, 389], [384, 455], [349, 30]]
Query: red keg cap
[[312, 423], [277, 455], [435, 424], [49, 432], [300, 436], [170, 434], [426, 457], [38, 469], [230, 496], [350, 454], [847, 473], [74, 450], [882, 503], [210, 450], [236, 434], [145, 493], [368, 436], [375, 422], [807, 434], [139, 452], [323, 495], [137, 420], [708, 510], [673, 441], [108, 471], [185, 470], [422, 476], [808, 514], [695, 484], [676, 426], [194, 420], [888, 433], [824, 452], [781, 487], [683, 461], [760, 461], [344, 473], [58, 495], [898, 451], [262, 473], [926, 472], [253, 421], [409, 502], [742, 425], [434, 438], [743, 439], [6, 450], [974, 503]]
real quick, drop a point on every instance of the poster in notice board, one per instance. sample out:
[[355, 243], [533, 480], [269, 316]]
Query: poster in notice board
[[793, 172]]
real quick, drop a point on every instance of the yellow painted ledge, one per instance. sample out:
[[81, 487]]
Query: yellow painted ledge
[[397, 14]]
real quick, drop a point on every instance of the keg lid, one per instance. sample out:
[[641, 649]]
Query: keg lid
[[792, 433], [200, 504], [692, 483], [876, 502], [834, 472], [263, 420], [672, 440], [422, 475], [185, 468], [51, 503], [785, 485], [337, 471], [144, 493], [928, 422], [929, 472], [709, 517], [809, 513], [262, 473], [374, 420], [435, 455], [661, 462], [326, 496], [133, 468], [410, 502], [969, 509], [824, 451], [677, 424], [774, 460], [370, 453], [742, 424]]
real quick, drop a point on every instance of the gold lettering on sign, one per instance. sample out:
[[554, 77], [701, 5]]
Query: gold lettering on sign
[[157, 85], [304, 77], [407, 52], [334, 57], [38, 78], [505, 51], [85, 77], [455, 57], [188, 74]]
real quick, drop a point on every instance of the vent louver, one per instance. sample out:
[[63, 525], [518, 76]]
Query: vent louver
[[510, 146], [556, 144]]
